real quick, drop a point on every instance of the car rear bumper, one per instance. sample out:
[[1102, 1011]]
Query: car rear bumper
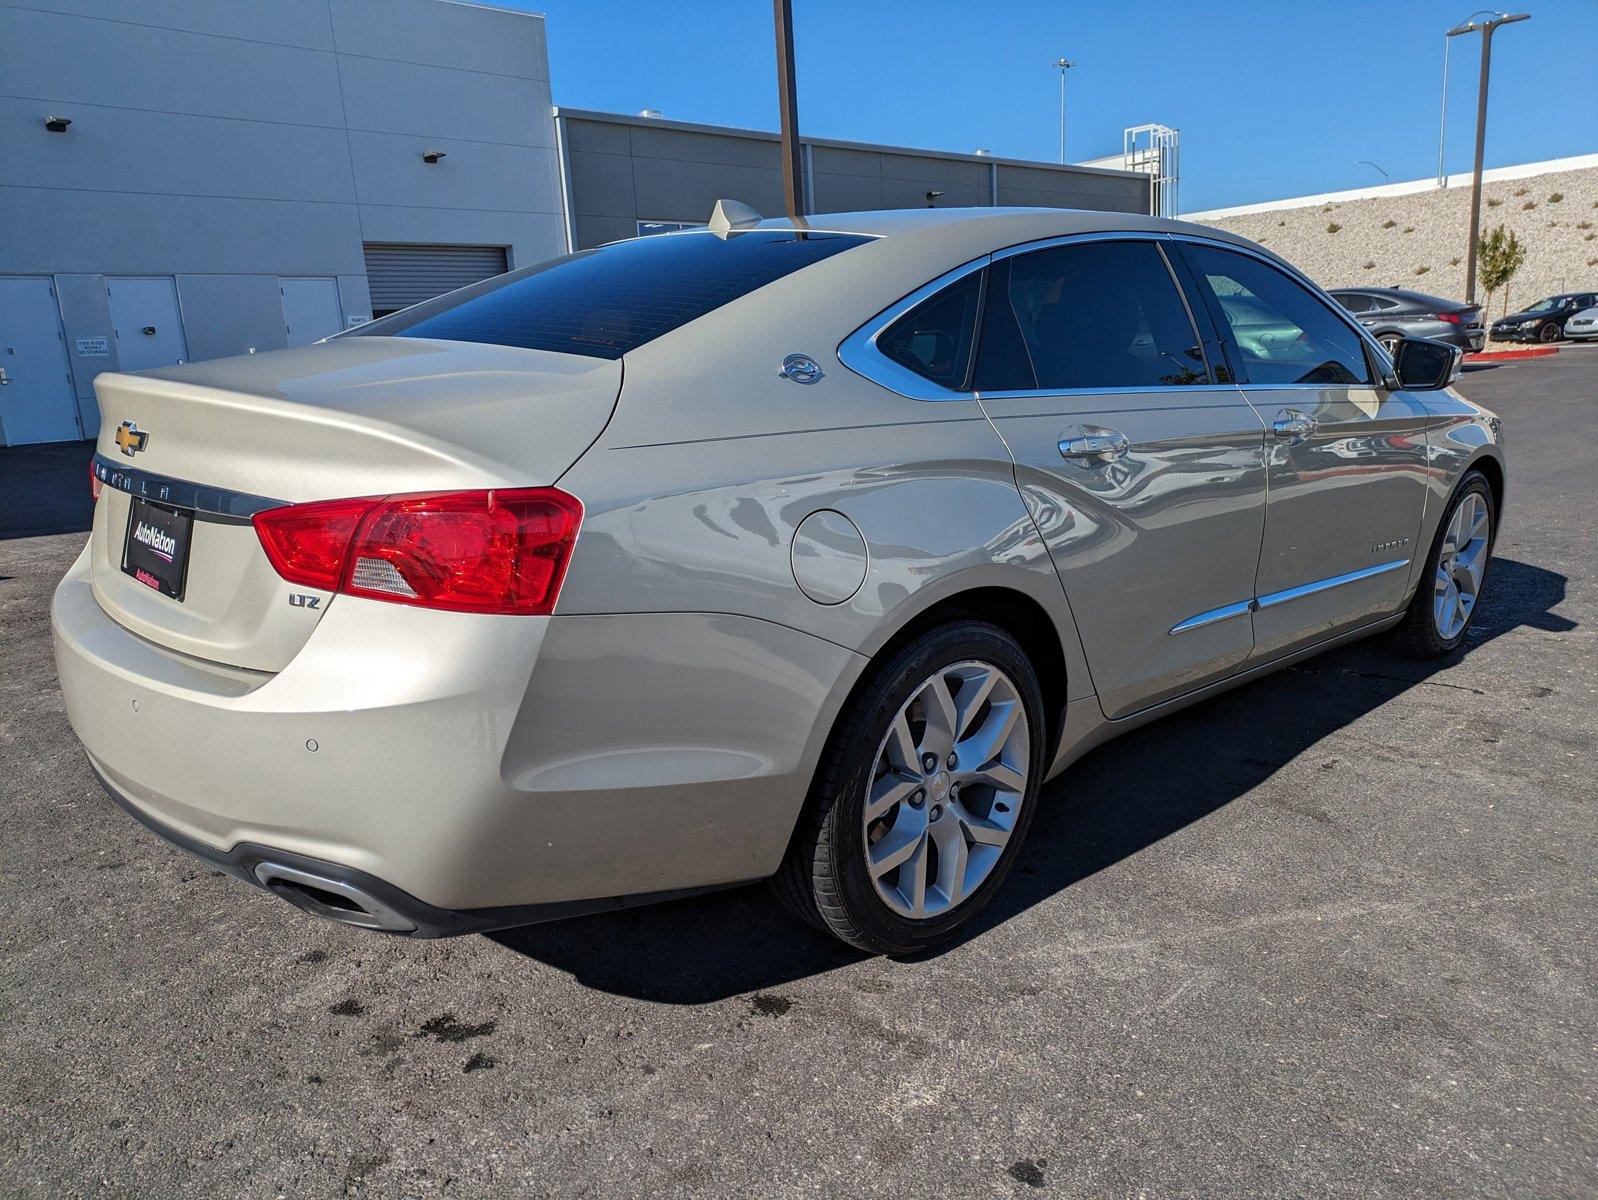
[[453, 765]]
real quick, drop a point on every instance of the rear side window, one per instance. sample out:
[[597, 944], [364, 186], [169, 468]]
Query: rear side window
[[608, 301], [1354, 301], [1092, 315], [1283, 332], [935, 338]]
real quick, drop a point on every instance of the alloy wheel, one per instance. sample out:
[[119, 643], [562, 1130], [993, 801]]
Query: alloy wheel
[[1461, 563], [946, 789]]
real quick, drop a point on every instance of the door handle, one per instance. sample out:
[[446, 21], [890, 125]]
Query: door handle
[[1290, 423], [1105, 447]]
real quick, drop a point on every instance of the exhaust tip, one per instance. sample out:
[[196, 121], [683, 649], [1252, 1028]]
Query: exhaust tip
[[331, 899]]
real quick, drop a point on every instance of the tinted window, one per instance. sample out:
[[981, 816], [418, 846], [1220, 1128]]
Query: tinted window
[[608, 301], [1282, 332], [1355, 302], [1093, 315], [934, 338]]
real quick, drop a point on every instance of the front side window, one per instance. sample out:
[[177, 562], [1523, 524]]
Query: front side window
[[935, 338], [1282, 331], [1088, 315], [605, 302]]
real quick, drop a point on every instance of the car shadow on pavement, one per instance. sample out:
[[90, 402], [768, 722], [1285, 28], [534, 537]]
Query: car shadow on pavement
[[45, 489], [1144, 786]]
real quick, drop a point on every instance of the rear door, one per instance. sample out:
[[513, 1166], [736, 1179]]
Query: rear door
[[1144, 473], [1347, 473]]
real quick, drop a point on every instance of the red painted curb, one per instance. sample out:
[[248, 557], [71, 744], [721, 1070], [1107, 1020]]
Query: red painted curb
[[1492, 356]]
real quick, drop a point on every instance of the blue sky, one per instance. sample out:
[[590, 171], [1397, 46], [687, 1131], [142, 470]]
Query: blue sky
[[1273, 99]]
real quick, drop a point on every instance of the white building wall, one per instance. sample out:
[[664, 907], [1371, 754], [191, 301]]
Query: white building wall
[[231, 143]]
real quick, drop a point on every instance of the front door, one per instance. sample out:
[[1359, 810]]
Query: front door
[[1146, 476], [37, 400], [147, 320], [1347, 457]]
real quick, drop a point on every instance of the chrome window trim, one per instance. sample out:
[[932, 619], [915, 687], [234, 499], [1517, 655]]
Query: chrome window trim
[[1227, 611], [180, 493], [860, 353]]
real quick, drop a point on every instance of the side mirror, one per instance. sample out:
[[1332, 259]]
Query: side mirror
[[1424, 365]]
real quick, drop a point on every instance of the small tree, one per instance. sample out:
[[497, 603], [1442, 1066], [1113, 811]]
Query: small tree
[[1500, 254]]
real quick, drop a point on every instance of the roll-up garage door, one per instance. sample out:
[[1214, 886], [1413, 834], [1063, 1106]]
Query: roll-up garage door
[[400, 275]]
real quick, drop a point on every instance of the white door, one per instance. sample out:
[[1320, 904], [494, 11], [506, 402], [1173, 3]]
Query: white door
[[148, 322], [311, 310], [37, 402]]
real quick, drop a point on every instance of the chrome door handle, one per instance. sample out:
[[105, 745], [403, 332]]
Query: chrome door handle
[[1106, 447], [1290, 423]]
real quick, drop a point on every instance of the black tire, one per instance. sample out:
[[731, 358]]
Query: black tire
[[1417, 635], [824, 879], [1549, 331]]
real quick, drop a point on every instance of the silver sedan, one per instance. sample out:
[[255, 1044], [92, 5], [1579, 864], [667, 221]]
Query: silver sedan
[[760, 551]]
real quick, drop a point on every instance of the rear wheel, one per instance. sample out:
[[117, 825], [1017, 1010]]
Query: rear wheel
[[1456, 570], [926, 793], [1390, 342]]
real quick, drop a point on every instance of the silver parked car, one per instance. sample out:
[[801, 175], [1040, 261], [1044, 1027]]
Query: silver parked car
[[743, 553], [1583, 327]]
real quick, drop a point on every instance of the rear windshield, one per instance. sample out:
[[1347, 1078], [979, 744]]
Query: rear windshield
[[608, 301]]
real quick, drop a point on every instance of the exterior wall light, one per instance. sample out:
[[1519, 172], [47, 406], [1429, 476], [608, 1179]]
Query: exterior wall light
[[57, 124], [432, 156]]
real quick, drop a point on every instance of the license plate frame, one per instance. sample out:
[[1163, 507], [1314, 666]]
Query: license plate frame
[[158, 557]]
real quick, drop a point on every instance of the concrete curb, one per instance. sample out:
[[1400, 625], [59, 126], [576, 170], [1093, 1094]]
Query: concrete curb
[[1493, 356]]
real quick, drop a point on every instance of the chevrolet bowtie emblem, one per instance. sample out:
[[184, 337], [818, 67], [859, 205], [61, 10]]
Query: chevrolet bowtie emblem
[[131, 438]]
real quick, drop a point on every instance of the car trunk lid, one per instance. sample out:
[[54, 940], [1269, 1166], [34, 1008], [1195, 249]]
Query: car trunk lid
[[350, 417]]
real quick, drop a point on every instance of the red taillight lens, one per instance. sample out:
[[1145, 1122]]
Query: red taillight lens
[[307, 543], [502, 551], [1451, 318], [94, 482]]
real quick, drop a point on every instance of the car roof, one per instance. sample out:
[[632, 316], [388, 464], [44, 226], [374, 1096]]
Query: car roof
[[991, 227], [1404, 294]]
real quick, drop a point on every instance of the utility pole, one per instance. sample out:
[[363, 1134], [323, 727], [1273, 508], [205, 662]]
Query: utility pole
[[1062, 65], [793, 169], [1486, 29]]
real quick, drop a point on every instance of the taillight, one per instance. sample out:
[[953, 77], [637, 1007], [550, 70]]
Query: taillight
[[1451, 318], [501, 551], [94, 482]]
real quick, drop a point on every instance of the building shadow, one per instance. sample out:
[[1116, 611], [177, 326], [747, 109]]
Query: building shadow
[[1139, 789], [45, 489]]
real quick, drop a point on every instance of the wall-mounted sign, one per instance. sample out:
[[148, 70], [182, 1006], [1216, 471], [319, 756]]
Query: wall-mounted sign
[[93, 347], [357, 320]]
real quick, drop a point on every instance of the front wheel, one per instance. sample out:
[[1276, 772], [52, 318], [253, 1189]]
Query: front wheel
[[1456, 570], [1549, 332], [926, 793]]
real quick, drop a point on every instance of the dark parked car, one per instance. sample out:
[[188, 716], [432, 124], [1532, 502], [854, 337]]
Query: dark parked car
[[1392, 313], [1543, 321]]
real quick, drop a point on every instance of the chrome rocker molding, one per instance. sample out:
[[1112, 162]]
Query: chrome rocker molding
[[1294, 593], [211, 501]]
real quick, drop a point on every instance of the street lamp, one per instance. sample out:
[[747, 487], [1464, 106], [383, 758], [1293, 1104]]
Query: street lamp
[[1442, 120], [1365, 162], [1062, 65], [1486, 29]]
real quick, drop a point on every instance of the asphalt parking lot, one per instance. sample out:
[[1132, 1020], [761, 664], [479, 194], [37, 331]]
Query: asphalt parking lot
[[1331, 934]]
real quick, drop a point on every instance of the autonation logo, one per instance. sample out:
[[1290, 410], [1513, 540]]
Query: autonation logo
[[160, 543]]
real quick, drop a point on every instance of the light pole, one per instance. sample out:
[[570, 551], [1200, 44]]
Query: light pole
[[793, 168], [1442, 120], [1062, 65], [1486, 29]]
